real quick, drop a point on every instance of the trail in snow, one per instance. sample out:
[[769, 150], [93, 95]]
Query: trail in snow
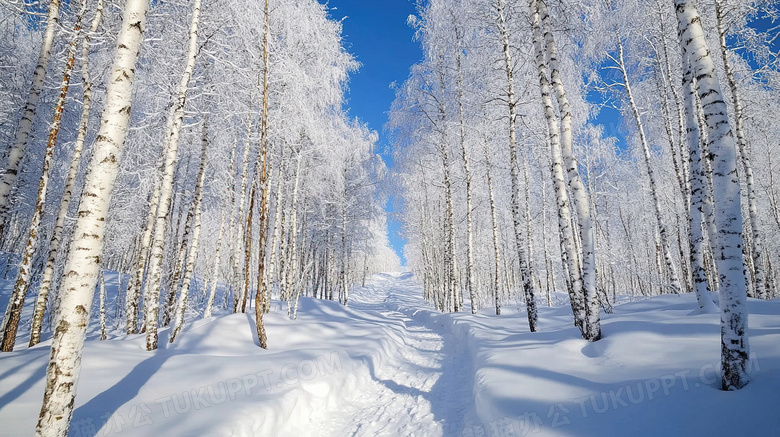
[[425, 390], [381, 367], [389, 365]]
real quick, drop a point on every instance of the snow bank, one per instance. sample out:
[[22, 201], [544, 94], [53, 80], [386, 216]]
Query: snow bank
[[215, 380], [655, 372]]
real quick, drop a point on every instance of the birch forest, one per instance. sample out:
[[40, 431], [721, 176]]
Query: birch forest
[[545, 153]]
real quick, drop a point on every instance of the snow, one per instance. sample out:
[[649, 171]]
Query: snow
[[391, 366]]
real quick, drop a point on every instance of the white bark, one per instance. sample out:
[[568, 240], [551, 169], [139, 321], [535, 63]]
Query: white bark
[[212, 290], [579, 193], [152, 298], [674, 281], [81, 269], [273, 258], [134, 287], [525, 272], [17, 150], [181, 258], [496, 241], [742, 148], [78, 148], [103, 335], [259, 299], [698, 186], [344, 256], [568, 245], [181, 305], [22, 285], [292, 263], [237, 229], [451, 271], [467, 171], [735, 348]]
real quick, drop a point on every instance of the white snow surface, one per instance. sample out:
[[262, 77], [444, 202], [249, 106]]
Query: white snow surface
[[389, 365]]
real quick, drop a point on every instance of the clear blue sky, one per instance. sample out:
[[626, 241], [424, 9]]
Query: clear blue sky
[[375, 32]]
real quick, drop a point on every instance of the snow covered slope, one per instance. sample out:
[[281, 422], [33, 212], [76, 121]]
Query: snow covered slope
[[387, 366]]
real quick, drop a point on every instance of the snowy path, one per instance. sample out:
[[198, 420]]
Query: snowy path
[[391, 366], [426, 390]]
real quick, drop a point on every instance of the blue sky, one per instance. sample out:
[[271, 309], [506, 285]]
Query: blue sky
[[375, 32]]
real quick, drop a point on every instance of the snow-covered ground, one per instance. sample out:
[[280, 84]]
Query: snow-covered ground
[[387, 366]]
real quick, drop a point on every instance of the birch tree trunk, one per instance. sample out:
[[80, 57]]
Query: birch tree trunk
[[152, 298], [517, 215], [679, 105], [665, 73], [529, 241], [212, 289], [579, 193], [78, 148], [248, 245], [496, 241], [467, 171], [708, 207], [235, 230], [14, 312], [674, 281], [451, 285], [134, 287], [742, 150], [664, 83], [735, 348], [568, 245], [181, 305], [103, 335], [273, 258], [344, 255], [17, 150], [81, 269], [259, 298], [292, 263], [181, 258], [697, 195]]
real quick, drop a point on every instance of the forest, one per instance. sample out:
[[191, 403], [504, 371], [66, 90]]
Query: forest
[[515, 188], [169, 162]]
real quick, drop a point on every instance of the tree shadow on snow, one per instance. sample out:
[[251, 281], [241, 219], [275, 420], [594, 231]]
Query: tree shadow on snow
[[99, 409], [36, 376], [90, 418]]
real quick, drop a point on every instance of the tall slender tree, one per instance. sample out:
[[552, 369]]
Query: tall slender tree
[[17, 149], [174, 125], [735, 348], [84, 258]]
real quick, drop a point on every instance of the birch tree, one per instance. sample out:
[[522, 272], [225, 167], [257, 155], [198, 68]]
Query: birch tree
[[22, 285], [663, 232], [744, 157], [189, 266], [735, 349], [525, 272], [81, 269], [19, 146], [259, 299], [592, 330], [152, 298], [698, 185], [78, 148]]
